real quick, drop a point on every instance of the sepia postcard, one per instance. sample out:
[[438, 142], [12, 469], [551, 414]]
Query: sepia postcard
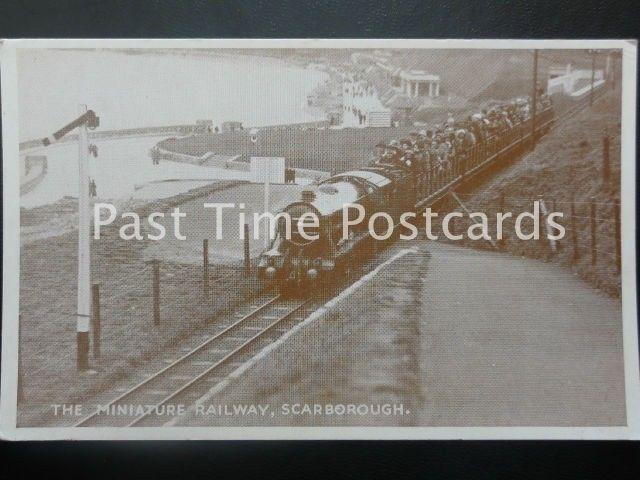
[[319, 239]]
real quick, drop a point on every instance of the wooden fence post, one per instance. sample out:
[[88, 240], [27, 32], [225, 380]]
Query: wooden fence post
[[559, 244], [82, 352], [501, 202], [592, 215], [606, 170], [453, 226], [574, 232], [95, 319], [247, 257], [542, 241], [616, 217], [548, 244], [205, 265], [156, 292]]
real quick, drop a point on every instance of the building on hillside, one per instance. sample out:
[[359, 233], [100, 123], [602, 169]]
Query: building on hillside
[[231, 126], [407, 91], [420, 86], [417, 83], [204, 126], [572, 81]]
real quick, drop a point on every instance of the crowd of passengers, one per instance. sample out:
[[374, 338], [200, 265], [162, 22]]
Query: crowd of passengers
[[438, 146]]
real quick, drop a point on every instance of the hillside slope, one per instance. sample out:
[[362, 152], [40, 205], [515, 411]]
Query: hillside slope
[[565, 167]]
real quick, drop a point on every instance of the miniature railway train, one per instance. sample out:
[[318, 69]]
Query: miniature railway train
[[406, 175]]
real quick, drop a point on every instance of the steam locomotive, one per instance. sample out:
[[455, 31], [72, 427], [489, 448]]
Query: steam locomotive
[[402, 180]]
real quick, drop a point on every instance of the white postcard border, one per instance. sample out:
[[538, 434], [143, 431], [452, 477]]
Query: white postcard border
[[11, 257]]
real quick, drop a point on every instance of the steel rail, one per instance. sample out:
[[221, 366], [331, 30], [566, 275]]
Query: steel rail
[[180, 360], [220, 362]]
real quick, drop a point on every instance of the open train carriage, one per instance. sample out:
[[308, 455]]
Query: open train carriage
[[391, 185]]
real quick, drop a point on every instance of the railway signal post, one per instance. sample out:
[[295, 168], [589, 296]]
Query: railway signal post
[[86, 119], [84, 254]]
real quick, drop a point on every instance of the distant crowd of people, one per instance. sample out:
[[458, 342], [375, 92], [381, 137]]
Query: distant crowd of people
[[439, 145], [365, 94]]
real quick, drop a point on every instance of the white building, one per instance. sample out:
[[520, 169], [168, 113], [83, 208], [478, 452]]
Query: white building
[[570, 81], [418, 83]]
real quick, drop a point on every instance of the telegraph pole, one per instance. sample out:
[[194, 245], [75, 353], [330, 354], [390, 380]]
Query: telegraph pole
[[593, 75], [534, 99], [84, 255], [614, 70]]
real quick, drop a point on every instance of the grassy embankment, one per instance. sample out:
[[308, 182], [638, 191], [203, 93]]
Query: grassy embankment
[[129, 337]]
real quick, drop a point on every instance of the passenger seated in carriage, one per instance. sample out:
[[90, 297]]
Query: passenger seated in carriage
[[393, 154], [439, 145], [380, 151]]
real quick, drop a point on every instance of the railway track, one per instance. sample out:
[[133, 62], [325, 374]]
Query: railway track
[[182, 382]]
